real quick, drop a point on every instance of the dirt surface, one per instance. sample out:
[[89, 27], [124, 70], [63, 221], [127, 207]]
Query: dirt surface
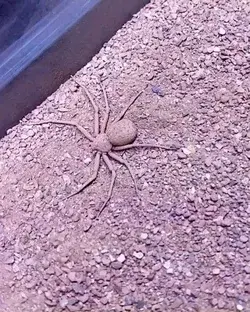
[[186, 246]]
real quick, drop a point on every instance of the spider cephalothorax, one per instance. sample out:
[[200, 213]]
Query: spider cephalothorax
[[117, 136], [101, 143]]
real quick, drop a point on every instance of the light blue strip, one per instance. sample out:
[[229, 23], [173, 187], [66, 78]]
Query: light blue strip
[[40, 37]]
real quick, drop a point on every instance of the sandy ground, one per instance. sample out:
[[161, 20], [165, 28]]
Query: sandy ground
[[185, 246]]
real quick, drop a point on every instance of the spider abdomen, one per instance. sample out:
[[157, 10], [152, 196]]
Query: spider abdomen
[[122, 132]]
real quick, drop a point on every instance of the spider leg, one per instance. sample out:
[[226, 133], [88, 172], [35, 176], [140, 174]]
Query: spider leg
[[68, 123], [129, 105], [106, 116], [111, 168], [125, 163], [96, 108], [129, 146], [92, 177]]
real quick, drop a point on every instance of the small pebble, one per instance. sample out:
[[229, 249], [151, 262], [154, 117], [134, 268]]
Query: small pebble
[[208, 161], [216, 271], [104, 300], [116, 265], [15, 268], [176, 304], [170, 271], [63, 302], [78, 288], [83, 298], [121, 258], [106, 261], [214, 302], [151, 276], [247, 269], [239, 307], [75, 276], [222, 31], [157, 90], [157, 266], [87, 160], [144, 235], [30, 285], [181, 155], [10, 260], [138, 255], [167, 264], [87, 225], [243, 238], [221, 303]]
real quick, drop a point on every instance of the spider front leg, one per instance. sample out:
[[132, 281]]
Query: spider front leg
[[92, 177], [113, 177], [119, 117], [107, 111], [96, 108], [67, 123]]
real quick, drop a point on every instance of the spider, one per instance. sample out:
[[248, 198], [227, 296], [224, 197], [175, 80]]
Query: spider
[[107, 139]]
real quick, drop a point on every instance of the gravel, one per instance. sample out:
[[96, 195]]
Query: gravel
[[185, 246]]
